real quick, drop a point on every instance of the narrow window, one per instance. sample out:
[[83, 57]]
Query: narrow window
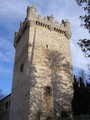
[[48, 90], [6, 105], [21, 67], [46, 46]]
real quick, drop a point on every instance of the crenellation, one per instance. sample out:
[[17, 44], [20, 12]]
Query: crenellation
[[31, 13], [67, 28], [45, 18], [39, 17], [47, 22], [56, 22], [50, 18], [63, 22], [61, 26], [19, 34]]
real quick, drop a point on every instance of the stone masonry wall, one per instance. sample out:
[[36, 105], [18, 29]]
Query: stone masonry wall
[[46, 44], [42, 79]]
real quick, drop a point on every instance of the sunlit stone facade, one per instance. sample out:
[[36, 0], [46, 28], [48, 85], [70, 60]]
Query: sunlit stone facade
[[42, 81]]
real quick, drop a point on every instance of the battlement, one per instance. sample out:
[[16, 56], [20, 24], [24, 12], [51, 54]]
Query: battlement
[[47, 22]]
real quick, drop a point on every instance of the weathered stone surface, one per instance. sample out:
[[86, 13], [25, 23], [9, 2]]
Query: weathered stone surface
[[5, 107], [42, 79]]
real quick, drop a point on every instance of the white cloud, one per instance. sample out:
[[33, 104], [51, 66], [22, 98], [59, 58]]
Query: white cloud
[[6, 44], [3, 57], [78, 59], [4, 70], [15, 9], [6, 50]]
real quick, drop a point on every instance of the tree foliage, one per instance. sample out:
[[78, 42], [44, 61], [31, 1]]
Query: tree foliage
[[85, 18], [85, 22], [85, 47], [81, 99], [56, 63]]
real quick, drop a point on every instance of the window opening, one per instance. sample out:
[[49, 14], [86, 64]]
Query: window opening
[[48, 90], [21, 67], [6, 105], [46, 46]]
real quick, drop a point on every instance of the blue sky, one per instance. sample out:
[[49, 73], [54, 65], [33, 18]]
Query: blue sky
[[14, 11]]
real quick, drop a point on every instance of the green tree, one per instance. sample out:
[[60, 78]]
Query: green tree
[[75, 100], [85, 22], [88, 97], [81, 99]]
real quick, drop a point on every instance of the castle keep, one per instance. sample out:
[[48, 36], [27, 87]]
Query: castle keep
[[42, 85]]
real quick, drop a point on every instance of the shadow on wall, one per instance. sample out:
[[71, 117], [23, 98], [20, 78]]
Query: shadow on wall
[[62, 93]]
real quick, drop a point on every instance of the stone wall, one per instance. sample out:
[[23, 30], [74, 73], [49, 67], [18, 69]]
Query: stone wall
[[5, 107], [42, 79]]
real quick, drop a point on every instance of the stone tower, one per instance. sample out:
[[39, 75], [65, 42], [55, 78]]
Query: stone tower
[[42, 85]]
